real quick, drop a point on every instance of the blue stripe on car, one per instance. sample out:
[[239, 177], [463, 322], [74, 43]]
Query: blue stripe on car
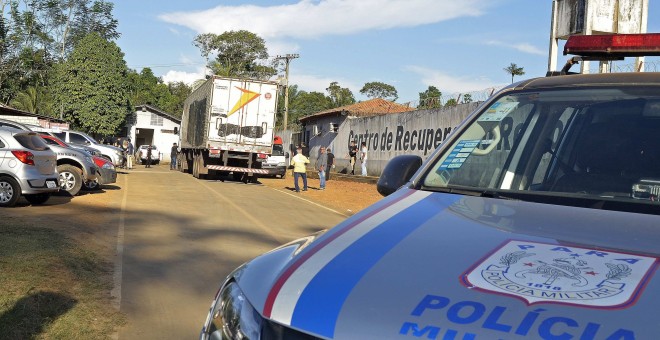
[[320, 303]]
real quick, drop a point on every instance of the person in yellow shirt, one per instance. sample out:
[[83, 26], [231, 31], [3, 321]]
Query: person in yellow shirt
[[299, 163]]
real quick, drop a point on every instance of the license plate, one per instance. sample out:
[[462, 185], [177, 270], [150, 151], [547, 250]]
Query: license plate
[[51, 184]]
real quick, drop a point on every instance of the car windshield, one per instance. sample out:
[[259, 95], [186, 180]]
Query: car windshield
[[596, 143], [278, 150], [31, 141]]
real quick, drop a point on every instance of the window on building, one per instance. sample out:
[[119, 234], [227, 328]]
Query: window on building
[[156, 120]]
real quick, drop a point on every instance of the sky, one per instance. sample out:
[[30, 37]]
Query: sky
[[457, 46]]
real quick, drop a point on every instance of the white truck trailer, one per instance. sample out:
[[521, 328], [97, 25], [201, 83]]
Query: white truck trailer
[[227, 127]]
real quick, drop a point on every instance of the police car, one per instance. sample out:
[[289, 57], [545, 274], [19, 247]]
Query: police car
[[538, 218]]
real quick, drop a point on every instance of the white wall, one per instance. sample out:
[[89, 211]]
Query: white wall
[[163, 135]]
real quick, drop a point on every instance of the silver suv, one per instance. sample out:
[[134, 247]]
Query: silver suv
[[115, 154], [76, 167], [27, 167]]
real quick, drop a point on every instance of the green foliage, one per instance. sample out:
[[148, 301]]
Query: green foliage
[[514, 70], [339, 96], [430, 99], [379, 90], [467, 98], [237, 54], [146, 88], [35, 100], [451, 102], [91, 88]]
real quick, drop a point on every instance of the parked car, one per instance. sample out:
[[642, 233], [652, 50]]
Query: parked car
[[75, 167], [537, 218], [27, 168], [113, 153], [277, 162], [142, 154], [107, 174]]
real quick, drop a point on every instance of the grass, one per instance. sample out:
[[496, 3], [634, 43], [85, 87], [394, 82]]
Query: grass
[[52, 288]]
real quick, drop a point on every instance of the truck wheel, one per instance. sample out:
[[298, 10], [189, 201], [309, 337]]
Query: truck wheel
[[37, 199], [70, 179], [10, 191], [237, 176]]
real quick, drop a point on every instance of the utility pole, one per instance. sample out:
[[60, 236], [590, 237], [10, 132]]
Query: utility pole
[[287, 59]]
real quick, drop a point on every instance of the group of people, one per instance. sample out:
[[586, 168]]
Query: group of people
[[324, 163]]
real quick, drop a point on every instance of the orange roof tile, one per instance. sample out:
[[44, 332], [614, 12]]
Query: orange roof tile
[[372, 107]]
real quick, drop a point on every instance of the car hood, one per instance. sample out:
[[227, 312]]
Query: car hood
[[436, 265]]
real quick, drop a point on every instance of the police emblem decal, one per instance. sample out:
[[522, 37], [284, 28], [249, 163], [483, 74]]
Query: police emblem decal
[[538, 272]]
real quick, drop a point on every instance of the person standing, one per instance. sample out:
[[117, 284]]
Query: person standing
[[321, 167], [352, 154], [173, 154], [148, 160], [299, 162], [363, 158], [331, 163], [130, 155]]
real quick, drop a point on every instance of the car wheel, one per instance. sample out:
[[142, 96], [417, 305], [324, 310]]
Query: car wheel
[[70, 179], [91, 185], [37, 199], [10, 191]]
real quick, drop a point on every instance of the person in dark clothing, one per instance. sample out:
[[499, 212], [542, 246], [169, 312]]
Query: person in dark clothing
[[173, 154], [331, 163], [148, 165], [352, 154], [305, 149]]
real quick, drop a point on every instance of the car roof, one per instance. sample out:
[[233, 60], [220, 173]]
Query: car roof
[[600, 79]]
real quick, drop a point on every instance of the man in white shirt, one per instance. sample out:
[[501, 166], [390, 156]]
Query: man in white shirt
[[363, 158]]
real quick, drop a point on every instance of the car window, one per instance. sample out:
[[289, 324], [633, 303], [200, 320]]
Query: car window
[[278, 150], [77, 139], [593, 142], [31, 141], [60, 135], [50, 141], [2, 144]]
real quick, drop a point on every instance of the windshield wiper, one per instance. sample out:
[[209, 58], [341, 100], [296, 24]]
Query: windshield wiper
[[476, 192]]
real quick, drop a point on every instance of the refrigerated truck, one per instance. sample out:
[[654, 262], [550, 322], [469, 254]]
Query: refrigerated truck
[[227, 128]]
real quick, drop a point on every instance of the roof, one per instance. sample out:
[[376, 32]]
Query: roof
[[599, 79], [158, 111], [4, 109], [372, 107]]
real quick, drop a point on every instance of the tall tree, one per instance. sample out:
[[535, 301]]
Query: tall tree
[[467, 98], [430, 99], [339, 96], [514, 70], [91, 88], [237, 54], [377, 89]]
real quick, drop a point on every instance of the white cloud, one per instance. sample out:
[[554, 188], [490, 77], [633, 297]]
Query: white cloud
[[448, 84], [312, 19], [187, 77], [522, 47]]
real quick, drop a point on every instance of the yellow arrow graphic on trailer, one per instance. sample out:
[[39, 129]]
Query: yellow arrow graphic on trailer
[[246, 97]]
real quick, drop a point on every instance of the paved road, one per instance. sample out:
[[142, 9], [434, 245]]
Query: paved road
[[179, 237]]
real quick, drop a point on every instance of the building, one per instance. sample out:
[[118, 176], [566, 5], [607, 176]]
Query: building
[[29, 118], [149, 125]]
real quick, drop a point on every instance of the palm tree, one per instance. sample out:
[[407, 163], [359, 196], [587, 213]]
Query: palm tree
[[514, 70], [28, 100]]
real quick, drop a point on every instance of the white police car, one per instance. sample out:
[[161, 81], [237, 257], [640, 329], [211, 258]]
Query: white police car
[[538, 218]]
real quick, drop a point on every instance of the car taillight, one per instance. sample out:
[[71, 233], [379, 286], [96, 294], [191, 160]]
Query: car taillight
[[262, 155], [24, 156]]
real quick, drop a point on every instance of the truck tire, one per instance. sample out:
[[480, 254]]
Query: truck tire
[[10, 191], [37, 199], [70, 179]]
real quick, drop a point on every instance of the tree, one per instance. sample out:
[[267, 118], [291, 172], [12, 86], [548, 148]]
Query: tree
[[430, 99], [467, 98], [237, 54], [90, 88], [379, 90], [451, 102], [35, 100], [514, 70], [339, 96]]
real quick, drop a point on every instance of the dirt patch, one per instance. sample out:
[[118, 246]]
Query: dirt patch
[[343, 196]]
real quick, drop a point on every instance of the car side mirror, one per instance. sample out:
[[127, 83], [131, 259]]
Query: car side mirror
[[398, 171]]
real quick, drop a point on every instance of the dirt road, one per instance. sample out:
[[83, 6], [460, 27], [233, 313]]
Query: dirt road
[[179, 237]]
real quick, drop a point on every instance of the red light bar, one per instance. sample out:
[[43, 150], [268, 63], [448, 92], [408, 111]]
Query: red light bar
[[614, 45]]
